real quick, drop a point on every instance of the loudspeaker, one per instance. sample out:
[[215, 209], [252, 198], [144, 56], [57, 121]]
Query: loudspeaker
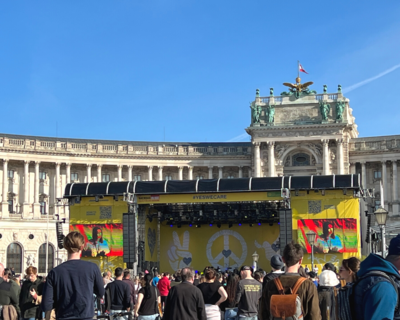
[[60, 235], [285, 228], [129, 239]]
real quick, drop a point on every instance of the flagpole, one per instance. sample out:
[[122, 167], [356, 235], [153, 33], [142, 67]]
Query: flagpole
[[298, 68]]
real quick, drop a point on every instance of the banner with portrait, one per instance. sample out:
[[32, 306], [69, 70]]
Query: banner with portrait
[[332, 235], [101, 240]]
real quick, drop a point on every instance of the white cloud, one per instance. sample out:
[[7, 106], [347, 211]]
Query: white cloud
[[364, 82]]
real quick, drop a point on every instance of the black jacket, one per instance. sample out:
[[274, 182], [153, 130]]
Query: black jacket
[[326, 296], [28, 308], [118, 295], [185, 301]]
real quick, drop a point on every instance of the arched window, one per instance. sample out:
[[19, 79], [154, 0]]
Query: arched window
[[14, 257], [42, 258]]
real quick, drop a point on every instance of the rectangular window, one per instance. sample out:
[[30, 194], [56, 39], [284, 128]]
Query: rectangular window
[[74, 177], [42, 207], [377, 204], [168, 177], [231, 177], [10, 206], [199, 177], [106, 177], [11, 174], [377, 175], [136, 178], [42, 175]]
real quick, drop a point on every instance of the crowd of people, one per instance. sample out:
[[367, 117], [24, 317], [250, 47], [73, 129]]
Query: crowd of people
[[76, 290]]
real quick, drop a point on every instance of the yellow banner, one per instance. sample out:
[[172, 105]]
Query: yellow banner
[[209, 197], [333, 205], [219, 247], [151, 239]]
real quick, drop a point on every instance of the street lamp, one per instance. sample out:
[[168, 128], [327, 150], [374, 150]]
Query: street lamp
[[381, 216], [311, 240], [255, 260]]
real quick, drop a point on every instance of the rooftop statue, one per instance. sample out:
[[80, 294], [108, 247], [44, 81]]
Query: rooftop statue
[[340, 105], [299, 89], [325, 108], [270, 113], [255, 113]]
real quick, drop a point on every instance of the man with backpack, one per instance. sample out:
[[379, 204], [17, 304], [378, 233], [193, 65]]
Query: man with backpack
[[375, 293], [291, 296]]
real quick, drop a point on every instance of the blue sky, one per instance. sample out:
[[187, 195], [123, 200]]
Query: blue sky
[[132, 70]]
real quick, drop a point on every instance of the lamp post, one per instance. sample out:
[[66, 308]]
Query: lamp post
[[381, 216], [311, 240], [255, 260]]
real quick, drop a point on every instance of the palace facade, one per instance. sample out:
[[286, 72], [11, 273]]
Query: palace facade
[[296, 133]]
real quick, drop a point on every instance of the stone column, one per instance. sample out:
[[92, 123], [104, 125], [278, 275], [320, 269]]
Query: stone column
[[180, 173], [240, 172], [68, 172], [119, 172], [190, 172], [220, 173], [89, 173], [384, 185], [25, 204], [99, 167], [352, 168], [250, 172], [339, 156], [363, 175], [325, 147], [160, 169], [150, 173], [4, 203], [257, 164], [210, 172], [271, 159], [129, 172], [395, 199], [36, 204], [57, 183]]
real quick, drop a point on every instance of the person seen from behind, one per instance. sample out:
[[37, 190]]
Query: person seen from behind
[[307, 292], [31, 289], [213, 294], [129, 282], [276, 266], [376, 291], [313, 278], [229, 305], [148, 300], [248, 293], [118, 295], [164, 285], [9, 294], [69, 287], [326, 294]]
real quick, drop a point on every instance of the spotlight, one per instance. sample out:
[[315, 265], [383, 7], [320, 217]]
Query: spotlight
[[219, 225], [259, 223], [240, 224], [211, 224], [190, 225], [323, 192], [171, 225], [279, 223]]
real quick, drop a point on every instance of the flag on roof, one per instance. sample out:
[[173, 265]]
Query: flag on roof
[[302, 69]]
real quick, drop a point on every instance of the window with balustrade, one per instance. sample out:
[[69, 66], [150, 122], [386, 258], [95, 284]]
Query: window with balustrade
[[230, 177], [42, 175], [11, 206], [42, 258], [105, 177], [168, 177], [377, 175], [14, 257], [136, 178], [199, 177], [42, 207], [11, 174]]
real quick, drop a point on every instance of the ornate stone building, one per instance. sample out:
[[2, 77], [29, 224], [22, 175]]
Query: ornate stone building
[[297, 133]]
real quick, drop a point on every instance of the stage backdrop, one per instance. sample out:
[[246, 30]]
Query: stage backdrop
[[151, 237], [107, 215], [219, 247]]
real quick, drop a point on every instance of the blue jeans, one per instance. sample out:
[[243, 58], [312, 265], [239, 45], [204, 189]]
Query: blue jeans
[[148, 317], [230, 314]]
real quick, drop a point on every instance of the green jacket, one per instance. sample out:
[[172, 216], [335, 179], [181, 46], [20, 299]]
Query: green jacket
[[26, 302], [9, 294]]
